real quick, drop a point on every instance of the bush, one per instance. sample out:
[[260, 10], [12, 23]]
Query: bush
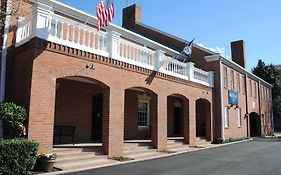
[[228, 140], [14, 117], [12, 113], [17, 156]]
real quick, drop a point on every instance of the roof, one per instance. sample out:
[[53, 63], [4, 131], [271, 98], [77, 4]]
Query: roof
[[237, 67]]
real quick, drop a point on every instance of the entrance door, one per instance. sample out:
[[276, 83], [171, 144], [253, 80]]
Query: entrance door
[[97, 116], [255, 125], [177, 121]]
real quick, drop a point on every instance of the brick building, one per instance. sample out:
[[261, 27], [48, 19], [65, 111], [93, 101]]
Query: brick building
[[124, 83]]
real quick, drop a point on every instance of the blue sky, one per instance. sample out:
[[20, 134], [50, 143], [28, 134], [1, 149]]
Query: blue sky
[[214, 23]]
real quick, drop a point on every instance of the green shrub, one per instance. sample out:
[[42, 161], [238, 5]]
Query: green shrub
[[17, 156], [12, 113]]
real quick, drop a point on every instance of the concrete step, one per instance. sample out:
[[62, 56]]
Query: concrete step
[[73, 157], [180, 149], [72, 151], [84, 163], [176, 145], [127, 153], [145, 155], [175, 140]]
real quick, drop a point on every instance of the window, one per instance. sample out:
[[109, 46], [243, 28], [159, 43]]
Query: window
[[250, 88], [239, 118], [225, 77], [243, 84], [255, 89], [226, 117], [143, 113], [238, 82], [232, 80], [261, 92]]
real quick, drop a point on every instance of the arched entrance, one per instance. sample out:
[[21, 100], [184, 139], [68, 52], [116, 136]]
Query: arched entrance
[[203, 119], [255, 125], [177, 108], [79, 110], [140, 111]]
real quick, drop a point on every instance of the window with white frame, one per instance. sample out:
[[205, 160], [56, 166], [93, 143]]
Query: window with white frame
[[226, 117], [243, 84], [225, 77], [255, 89], [239, 118], [143, 113], [250, 88], [238, 82], [232, 80]]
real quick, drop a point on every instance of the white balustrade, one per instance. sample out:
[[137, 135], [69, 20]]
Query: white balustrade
[[135, 53], [44, 24]]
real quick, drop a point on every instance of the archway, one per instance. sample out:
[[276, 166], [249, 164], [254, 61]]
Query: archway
[[79, 110], [203, 119], [255, 125], [140, 111], [177, 108]]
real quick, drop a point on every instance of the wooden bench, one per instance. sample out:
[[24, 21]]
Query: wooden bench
[[61, 131]]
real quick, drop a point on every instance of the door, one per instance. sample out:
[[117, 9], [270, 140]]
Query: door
[[97, 117], [177, 121]]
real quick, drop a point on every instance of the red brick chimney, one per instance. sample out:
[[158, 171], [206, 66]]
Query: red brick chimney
[[131, 15], [238, 52]]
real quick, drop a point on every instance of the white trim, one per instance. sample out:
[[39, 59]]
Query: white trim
[[226, 117], [147, 101], [239, 118]]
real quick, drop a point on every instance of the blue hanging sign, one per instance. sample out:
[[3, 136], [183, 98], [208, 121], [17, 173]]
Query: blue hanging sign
[[233, 98]]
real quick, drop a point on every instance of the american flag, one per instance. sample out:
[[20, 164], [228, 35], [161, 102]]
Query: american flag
[[105, 13]]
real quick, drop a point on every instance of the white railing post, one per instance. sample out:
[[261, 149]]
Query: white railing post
[[211, 79], [159, 56], [190, 70], [113, 44], [41, 20]]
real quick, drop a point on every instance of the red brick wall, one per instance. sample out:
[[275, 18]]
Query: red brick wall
[[49, 65]]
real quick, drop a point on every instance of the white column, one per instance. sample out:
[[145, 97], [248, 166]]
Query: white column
[[113, 44], [160, 58], [42, 13], [211, 79], [190, 70]]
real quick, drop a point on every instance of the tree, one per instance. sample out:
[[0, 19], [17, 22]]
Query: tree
[[271, 74]]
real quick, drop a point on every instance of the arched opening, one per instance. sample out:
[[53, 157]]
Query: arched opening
[[79, 111], [140, 111], [177, 108], [203, 119], [255, 125]]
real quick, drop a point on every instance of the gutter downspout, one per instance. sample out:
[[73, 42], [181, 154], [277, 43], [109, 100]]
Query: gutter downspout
[[4, 58], [221, 100]]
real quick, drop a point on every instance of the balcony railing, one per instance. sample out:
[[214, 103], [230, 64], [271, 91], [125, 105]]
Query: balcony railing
[[116, 43]]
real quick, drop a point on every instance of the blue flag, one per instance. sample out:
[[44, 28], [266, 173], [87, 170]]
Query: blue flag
[[187, 50]]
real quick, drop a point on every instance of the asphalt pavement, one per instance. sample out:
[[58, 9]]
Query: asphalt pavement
[[257, 157]]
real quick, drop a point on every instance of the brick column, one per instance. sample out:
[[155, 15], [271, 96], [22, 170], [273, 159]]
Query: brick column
[[159, 123], [209, 122], [113, 122], [192, 123], [186, 121], [41, 112]]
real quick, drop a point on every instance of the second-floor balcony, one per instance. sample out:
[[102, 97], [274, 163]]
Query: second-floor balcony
[[50, 24]]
